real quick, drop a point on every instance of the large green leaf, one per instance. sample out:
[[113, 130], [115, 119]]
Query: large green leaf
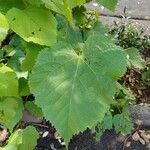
[[110, 4], [22, 139], [74, 90], [10, 111], [3, 27], [33, 24], [8, 82]]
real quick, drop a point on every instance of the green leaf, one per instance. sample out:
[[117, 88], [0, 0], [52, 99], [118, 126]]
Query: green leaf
[[67, 11], [5, 5], [122, 124], [23, 87], [63, 7], [134, 58], [109, 4], [37, 3], [32, 51], [107, 123], [69, 4], [55, 5], [16, 60], [74, 3], [3, 27], [34, 109], [8, 82], [75, 87], [10, 111], [80, 15], [126, 93], [33, 24], [23, 139]]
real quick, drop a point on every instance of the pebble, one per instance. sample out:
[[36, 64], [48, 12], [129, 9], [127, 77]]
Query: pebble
[[95, 4], [45, 134], [3, 135], [63, 144], [52, 147], [128, 144]]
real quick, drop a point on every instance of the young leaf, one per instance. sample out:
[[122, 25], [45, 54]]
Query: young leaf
[[3, 27], [109, 4], [8, 82], [134, 58], [75, 87], [10, 111], [33, 24], [23, 139], [122, 124]]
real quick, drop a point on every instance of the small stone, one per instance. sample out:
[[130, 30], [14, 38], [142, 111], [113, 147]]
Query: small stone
[[95, 4], [147, 17], [56, 135], [128, 144], [63, 144], [53, 147], [3, 135], [59, 140], [45, 134], [138, 122], [148, 136]]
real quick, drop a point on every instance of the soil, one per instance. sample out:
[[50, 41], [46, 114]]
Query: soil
[[110, 140]]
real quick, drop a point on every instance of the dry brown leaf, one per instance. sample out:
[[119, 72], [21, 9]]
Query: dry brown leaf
[[135, 136], [141, 141]]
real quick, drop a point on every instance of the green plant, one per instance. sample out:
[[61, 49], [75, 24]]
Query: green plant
[[65, 60], [127, 36]]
